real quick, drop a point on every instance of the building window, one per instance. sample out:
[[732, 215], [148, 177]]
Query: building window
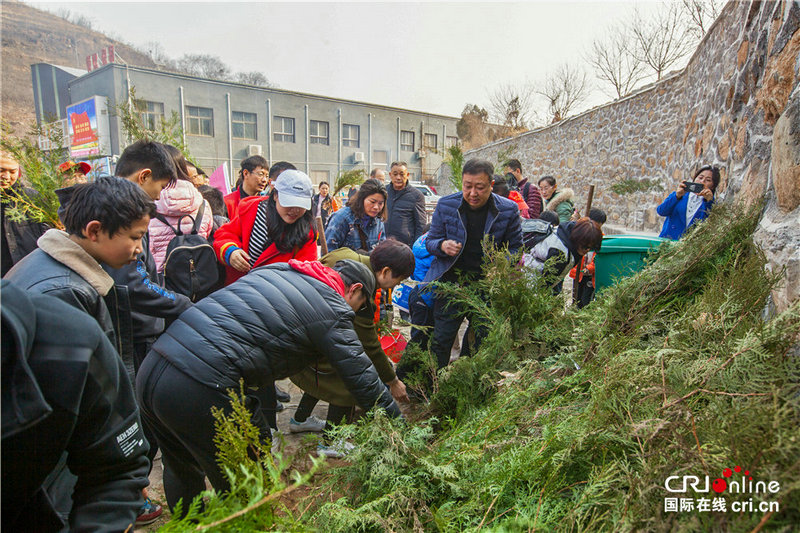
[[319, 132], [318, 176], [200, 121], [431, 141], [451, 141], [380, 158], [351, 135], [407, 141], [244, 125], [284, 129], [151, 114]]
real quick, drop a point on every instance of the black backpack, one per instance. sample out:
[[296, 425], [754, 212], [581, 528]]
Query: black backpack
[[190, 264], [534, 231]]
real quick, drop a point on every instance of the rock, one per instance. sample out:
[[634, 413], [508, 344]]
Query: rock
[[741, 141], [778, 80], [754, 183], [724, 146], [786, 156], [650, 217], [741, 55]]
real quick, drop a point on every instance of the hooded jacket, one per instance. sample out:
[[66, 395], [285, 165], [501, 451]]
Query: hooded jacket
[[176, 202], [269, 325], [235, 235], [61, 268], [562, 203], [405, 213], [66, 393], [502, 224]]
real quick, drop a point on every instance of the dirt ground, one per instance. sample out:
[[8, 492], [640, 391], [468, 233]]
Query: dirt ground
[[292, 443]]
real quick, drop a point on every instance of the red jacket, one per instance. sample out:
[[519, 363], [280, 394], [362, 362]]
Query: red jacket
[[232, 202], [514, 196], [236, 235]]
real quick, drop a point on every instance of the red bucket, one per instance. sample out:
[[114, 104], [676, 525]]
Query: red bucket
[[393, 345]]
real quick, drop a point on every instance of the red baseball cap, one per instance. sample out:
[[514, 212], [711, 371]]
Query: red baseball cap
[[67, 165]]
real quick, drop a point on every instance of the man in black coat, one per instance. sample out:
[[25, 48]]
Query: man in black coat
[[269, 325], [66, 392], [405, 207], [18, 236]]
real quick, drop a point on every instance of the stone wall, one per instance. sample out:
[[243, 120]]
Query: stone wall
[[735, 105]]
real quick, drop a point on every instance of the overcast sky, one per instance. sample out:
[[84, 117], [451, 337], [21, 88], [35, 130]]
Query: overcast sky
[[431, 56]]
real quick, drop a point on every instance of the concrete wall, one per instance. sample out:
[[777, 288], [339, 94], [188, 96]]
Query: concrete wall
[[379, 126], [721, 109]]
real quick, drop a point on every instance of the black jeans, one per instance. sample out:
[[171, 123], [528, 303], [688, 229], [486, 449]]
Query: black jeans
[[448, 317], [268, 400], [178, 409], [421, 315]]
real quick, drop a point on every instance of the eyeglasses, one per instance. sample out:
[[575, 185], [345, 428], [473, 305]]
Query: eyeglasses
[[261, 174]]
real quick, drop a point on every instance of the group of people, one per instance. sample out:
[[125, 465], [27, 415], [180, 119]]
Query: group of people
[[103, 365]]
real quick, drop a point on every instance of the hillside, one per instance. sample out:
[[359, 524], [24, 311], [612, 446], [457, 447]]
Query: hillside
[[33, 36]]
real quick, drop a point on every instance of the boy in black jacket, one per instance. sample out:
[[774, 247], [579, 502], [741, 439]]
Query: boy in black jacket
[[142, 302], [66, 393], [104, 222]]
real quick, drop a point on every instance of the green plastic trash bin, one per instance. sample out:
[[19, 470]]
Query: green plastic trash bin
[[621, 256]]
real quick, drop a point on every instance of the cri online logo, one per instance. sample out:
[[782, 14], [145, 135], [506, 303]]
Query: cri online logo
[[727, 482]]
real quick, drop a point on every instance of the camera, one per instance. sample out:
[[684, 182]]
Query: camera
[[693, 187]]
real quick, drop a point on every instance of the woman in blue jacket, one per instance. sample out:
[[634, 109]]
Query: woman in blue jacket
[[683, 208], [359, 226]]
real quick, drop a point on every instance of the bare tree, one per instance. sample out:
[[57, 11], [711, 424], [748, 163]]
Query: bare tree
[[663, 39], [204, 65], [513, 106], [701, 14], [158, 55], [564, 90], [615, 62], [253, 78]]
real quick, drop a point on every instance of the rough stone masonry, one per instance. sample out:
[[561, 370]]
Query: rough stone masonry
[[735, 105]]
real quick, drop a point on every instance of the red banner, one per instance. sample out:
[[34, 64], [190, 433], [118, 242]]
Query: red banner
[[81, 129]]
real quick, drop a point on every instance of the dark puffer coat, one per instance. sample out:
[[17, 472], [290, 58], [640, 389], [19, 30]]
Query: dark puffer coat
[[269, 325]]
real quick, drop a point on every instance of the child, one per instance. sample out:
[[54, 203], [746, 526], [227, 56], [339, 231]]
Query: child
[[583, 273], [105, 222]]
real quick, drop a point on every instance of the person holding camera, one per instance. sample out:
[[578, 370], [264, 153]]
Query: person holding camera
[[690, 202]]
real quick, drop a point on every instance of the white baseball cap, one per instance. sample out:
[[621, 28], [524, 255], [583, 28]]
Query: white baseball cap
[[294, 189]]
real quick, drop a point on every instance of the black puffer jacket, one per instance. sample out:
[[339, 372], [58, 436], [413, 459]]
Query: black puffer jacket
[[19, 238], [66, 393], [405, 214], [269, 325]]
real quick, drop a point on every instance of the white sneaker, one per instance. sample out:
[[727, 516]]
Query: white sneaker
[[312, 423], [277, 441], [337, 450]]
